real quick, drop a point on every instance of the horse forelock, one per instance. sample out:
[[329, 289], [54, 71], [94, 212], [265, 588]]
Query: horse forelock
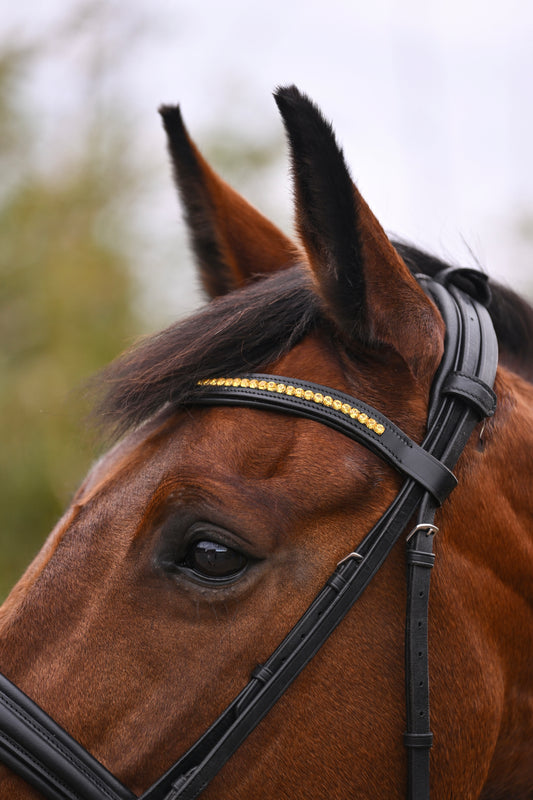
[[251, 328], [243, 330]]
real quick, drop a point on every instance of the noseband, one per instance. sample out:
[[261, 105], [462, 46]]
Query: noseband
[[39, 750]]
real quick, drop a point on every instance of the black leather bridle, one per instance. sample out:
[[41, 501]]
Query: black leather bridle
[[39, 750]]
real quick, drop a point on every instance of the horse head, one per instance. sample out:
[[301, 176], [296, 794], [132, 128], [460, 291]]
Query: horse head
[[200, 538]]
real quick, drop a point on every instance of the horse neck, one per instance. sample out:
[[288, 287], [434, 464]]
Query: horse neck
[[491, 517]]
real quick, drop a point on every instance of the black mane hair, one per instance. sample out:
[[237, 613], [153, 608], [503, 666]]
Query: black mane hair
[[252, 327], [511, 316]]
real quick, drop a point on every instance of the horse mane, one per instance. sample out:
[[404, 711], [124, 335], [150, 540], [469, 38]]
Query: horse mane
[[511, 315], [252, 327]]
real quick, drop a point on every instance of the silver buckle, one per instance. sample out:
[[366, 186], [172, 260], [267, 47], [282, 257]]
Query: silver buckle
[[357, 556], [431, 530]]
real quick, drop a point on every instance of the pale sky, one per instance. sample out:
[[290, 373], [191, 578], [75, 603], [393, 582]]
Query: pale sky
[[430, 100]]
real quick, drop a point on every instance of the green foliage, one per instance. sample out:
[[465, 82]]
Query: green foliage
[[69, 228], [65, 311]]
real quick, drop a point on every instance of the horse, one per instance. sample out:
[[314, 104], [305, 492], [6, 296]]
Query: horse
[[200, 538]]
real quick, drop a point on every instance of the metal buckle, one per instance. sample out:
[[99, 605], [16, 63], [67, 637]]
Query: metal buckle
[[357, 556], [431, 530]]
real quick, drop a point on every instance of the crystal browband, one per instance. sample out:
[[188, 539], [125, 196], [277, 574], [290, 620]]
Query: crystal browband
[[334, 408], [304, 394]]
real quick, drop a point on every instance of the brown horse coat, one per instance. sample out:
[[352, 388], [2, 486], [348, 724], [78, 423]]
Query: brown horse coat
[[135, 653]]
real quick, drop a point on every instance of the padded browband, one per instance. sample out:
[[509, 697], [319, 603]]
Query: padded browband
[[340, 411]]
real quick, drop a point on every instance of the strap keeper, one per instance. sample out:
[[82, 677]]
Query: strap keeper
[[418, 740], [337, 582], [473, 390], [261, 673], [419, 558], [179, 783]]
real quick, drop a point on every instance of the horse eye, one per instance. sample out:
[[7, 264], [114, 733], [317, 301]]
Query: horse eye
[[214, 560]]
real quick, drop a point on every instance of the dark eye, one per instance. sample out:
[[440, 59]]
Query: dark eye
[[214, 560]]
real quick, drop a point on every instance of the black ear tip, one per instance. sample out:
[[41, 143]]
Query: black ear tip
[[290, 97], [283, 93], [298, 110], [171, 116]]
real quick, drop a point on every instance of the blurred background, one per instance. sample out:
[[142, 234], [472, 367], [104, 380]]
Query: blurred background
[[431, 102]]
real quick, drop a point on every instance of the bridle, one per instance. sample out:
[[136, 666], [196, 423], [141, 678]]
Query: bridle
[[43, 753]]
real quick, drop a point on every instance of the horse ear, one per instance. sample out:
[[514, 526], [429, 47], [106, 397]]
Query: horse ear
[[368, 290], [232, 241]]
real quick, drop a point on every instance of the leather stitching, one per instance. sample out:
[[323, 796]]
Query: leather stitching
[[38, 764], [70, 757]]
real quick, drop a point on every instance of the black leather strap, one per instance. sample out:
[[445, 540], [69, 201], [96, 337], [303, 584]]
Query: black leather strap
[[474, 367], [41, 752], [418, 737]]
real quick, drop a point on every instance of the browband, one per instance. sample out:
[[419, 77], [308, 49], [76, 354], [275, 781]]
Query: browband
[[340, 411]]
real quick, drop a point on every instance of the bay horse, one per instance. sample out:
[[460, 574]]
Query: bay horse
[[196, 543]]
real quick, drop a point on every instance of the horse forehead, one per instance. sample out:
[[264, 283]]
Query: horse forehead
[[107, 469], [216, 446], [255, 444]]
